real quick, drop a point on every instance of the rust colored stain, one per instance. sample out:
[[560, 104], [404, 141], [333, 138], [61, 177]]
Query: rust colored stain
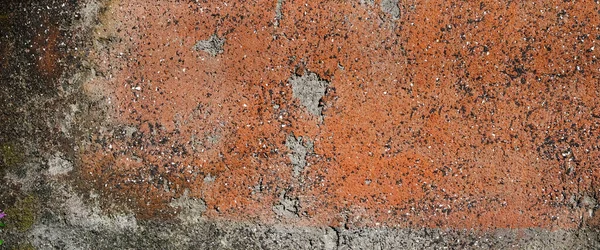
[[5, 47], [457, 114], [45, 47]]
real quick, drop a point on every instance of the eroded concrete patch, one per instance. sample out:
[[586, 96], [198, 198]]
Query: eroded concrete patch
[[391, 7], [299, 148], [213, 45], [91, 217], [278, 13], [190, 209], [309, 89], [367, 2], [287, 206]]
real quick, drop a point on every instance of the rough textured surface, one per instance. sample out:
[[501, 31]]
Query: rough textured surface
[[299, 124]]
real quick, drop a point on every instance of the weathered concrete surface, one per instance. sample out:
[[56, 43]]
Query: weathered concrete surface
[[299, 124]]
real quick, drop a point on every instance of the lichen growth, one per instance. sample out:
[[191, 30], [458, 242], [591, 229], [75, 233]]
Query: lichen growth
[[22, 215]]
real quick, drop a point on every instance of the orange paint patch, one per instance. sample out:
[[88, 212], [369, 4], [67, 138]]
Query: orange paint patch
[[457, 115]]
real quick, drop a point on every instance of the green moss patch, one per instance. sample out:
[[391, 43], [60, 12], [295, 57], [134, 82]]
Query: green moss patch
[[22, 215], [10, 155]]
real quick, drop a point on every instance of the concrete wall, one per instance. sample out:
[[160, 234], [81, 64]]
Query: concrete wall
[[299, 124]]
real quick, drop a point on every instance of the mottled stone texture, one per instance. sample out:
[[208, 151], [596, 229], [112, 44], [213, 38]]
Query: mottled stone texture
[[336, 118], [452, 114]]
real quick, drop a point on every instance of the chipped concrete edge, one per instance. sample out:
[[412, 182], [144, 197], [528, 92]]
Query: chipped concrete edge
[[309, 89]]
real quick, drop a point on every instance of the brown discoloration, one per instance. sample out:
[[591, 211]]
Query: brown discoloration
[[461, 115], [44, 44], [5, 47], [45, 47]]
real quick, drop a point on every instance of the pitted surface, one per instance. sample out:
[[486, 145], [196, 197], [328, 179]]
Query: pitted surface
[[300, 124]]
